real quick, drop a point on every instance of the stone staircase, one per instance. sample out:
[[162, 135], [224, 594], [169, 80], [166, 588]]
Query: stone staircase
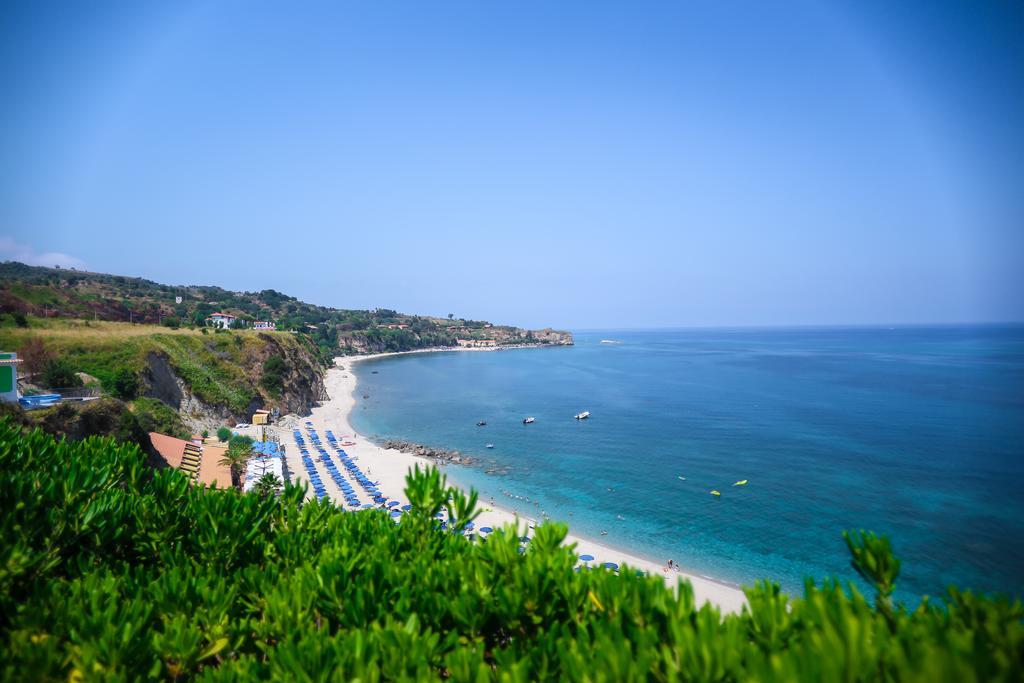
[[191, 459]]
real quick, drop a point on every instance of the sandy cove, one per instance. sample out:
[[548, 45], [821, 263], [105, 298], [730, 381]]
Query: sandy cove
[[389, 467]]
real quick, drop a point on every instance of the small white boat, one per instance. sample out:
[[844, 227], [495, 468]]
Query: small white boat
[[582, 416], [490, 445], [610, 341], [528, 420]]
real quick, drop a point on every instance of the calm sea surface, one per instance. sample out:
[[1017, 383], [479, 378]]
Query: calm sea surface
[[913, 432]]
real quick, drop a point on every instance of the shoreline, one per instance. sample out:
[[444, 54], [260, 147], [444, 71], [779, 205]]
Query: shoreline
[[390, 466]]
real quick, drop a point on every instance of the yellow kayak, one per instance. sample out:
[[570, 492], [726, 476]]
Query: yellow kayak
[[715, 493], [741, 482]]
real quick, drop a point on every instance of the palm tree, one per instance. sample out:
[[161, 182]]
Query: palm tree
[[267, 485], [237, 455]]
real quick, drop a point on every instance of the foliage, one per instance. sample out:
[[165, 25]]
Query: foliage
[[223, 434], [59, 373], [112, 571], [77, 421], [124, 384], [238, 453], [240, 441], [172, 322], [267, 485], [34, 355], [154, 416], [274, 370]]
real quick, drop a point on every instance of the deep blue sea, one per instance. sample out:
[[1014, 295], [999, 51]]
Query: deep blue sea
[[914, 432]]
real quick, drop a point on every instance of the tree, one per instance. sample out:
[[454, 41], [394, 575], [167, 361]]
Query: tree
[[274, 369], [35, 356], [206, 434], [59, 373], [267, 485], [19, 319], [237, 455], [172, 322], [451, 315], [124, 384], [223, 434]]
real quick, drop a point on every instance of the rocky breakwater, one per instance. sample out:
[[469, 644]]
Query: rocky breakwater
[[440, 455], [443, 456]]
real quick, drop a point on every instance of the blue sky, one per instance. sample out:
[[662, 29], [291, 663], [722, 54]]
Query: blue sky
[[576, 164]]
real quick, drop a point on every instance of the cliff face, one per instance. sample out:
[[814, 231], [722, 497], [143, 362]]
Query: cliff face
[[193, 392]]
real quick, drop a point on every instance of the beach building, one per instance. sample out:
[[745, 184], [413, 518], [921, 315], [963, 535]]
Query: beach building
[[264, 325], [221, 320], [9, 377], [261, 417], [476, 343], [201, 462]]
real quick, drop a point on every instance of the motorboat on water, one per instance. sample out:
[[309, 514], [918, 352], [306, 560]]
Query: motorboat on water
[[610, 341], [481, 423], [528, 420], [490, 445], [741, 482], [582, 416], [715, 493]]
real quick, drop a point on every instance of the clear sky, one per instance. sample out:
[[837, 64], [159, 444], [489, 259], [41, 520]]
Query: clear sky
[[575, 164]]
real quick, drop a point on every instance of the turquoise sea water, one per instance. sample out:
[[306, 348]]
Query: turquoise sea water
[[914, 432]]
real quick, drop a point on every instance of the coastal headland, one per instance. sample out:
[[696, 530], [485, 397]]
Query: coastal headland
[[389, 466]]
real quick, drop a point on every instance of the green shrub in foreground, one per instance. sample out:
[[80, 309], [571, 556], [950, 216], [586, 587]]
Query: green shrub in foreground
[[112, 571]]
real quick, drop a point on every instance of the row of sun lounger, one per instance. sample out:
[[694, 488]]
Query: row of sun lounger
[[319, 490]]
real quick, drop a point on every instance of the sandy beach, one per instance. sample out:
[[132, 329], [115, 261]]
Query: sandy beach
[[389, 467]]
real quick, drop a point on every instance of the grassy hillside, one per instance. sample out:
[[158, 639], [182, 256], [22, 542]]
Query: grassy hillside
[[111, 571], [55, 292], [220, 368]]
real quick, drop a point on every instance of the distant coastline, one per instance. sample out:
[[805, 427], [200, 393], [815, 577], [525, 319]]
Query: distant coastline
[[447, 349]]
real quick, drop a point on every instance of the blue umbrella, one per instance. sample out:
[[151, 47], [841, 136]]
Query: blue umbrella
[[393, 503], [486, 529], [396, 513], [587, 558], [524, 539], [407, 507], [367, 505], [610, 565]]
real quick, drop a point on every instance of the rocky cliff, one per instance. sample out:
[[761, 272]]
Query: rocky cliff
[[179, 386]]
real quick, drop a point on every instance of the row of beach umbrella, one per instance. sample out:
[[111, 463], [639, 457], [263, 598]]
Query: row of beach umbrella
[[394, 507]]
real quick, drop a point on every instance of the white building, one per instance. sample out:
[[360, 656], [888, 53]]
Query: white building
[[264, 325], [221, 320]]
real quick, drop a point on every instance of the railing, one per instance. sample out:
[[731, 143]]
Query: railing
[[76, 392]]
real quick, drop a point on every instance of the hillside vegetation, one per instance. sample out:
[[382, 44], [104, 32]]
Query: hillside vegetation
[[210, 375], [46, 292], [110, 570]]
